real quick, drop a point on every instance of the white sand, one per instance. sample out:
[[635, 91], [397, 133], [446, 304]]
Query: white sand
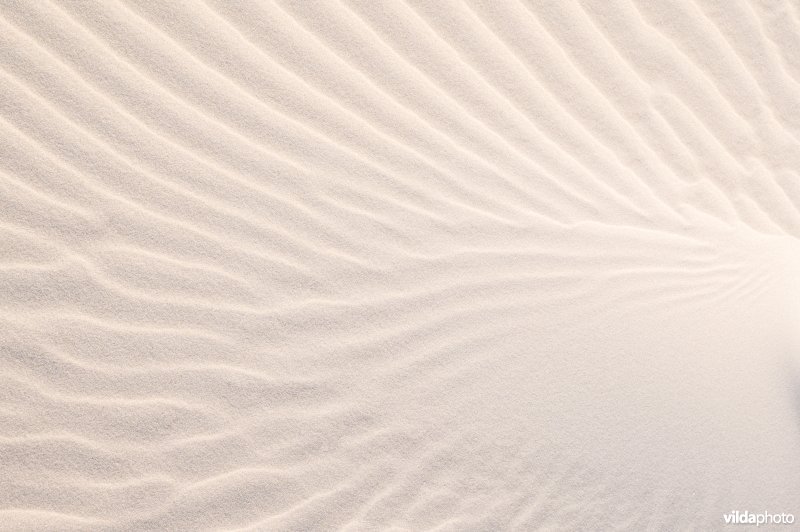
[[398, 265]]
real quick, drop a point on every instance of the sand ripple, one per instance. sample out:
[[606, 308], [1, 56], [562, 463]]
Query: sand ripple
[[398, 265]]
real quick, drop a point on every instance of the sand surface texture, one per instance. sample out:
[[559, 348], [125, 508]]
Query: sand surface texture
[[398, 265]]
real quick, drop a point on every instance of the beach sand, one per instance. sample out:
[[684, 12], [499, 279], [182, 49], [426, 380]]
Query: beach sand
[[398, 265]]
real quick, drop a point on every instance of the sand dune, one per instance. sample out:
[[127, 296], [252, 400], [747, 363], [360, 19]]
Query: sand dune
[[398, 265]]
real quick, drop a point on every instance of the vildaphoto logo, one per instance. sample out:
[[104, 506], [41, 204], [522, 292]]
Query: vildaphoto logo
[[764, 518]]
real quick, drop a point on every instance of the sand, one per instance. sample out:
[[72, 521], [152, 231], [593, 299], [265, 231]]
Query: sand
[[398, 265]]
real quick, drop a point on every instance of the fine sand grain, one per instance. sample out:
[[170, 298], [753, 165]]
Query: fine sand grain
[[398, 265]]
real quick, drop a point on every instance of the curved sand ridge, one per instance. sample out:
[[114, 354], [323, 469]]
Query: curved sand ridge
[[398, 265]]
